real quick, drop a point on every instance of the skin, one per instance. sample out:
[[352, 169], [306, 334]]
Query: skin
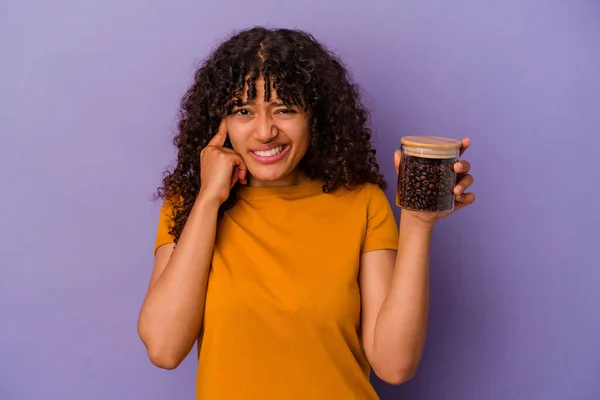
[[394, 285], [395, 289], [257, 125]]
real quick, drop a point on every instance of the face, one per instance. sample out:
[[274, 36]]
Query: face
[[270, 137]]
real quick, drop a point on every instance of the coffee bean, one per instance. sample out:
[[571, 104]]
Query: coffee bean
[[425, 184]]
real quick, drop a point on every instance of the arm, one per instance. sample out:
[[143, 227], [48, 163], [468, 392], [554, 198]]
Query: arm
[[172, 313], [395, 302], [171, 316], [395, 285]]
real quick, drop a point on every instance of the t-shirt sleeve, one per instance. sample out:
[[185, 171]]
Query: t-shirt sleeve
[[164, 223], [382, 230]]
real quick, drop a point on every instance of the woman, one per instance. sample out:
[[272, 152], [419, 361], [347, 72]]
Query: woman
[[288, 268]]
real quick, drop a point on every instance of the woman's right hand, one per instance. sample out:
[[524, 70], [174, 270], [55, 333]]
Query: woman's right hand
[[220, 167]]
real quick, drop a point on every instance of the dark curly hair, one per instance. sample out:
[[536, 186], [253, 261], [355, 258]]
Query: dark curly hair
[[303, 73]]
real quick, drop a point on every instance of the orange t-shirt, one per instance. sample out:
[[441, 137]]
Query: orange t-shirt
[[282, 313]]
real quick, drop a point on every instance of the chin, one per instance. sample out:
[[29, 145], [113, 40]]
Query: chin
[[267, 176], [268, 173]]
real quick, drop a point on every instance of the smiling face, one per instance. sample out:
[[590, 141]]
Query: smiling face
[[271, 138]]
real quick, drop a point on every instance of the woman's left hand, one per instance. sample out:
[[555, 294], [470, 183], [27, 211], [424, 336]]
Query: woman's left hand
[[464, 180]]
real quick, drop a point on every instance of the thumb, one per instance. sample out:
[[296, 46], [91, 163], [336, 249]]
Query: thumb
[[397, 159]]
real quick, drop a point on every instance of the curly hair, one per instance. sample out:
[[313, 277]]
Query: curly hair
[[303, 73]]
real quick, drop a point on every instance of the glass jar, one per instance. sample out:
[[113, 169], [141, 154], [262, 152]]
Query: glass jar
[[426, 176]]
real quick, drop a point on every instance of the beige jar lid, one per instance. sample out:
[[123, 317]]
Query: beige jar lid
[[431, 147], [431, 142]]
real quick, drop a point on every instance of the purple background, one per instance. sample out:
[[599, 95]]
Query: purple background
[[88, 101]]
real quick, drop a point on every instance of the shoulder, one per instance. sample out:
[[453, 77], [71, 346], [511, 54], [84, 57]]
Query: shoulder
[[364, 200], [374, 193], [165, 222], [372, 190], [366, 192], [381, 227], [168, 205]]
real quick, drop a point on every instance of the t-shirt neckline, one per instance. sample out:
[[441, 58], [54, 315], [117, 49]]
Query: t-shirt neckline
[[307, 187]]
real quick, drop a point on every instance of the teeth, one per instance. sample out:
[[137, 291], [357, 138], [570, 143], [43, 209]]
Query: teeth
[[269, 153]]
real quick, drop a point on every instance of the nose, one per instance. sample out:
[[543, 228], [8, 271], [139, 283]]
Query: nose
[[265, 130]]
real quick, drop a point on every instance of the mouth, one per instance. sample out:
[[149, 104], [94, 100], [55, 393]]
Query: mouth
[[272, 155]]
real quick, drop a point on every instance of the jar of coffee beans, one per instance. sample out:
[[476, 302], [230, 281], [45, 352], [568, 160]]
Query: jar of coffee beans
[[426, 176]]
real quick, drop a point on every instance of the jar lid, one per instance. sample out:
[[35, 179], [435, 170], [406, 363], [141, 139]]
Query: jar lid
[[431, 142]]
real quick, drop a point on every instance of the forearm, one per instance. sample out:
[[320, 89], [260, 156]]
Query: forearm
[[171, 316], [401, 324]]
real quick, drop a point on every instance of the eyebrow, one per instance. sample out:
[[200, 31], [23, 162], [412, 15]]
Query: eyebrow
[[251, 103]]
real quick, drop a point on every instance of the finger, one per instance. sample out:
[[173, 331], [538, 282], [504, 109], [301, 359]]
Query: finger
[[239, 169], [234, 176], [242, 174], [465, 143], [463, 184], [465, 199], [397, 158], [220, 137], [462, 166]]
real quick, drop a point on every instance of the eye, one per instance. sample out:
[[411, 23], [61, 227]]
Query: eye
[[286, 111], [242, 112]]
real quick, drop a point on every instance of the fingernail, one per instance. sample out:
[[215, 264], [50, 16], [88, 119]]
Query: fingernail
[[458, 189]]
